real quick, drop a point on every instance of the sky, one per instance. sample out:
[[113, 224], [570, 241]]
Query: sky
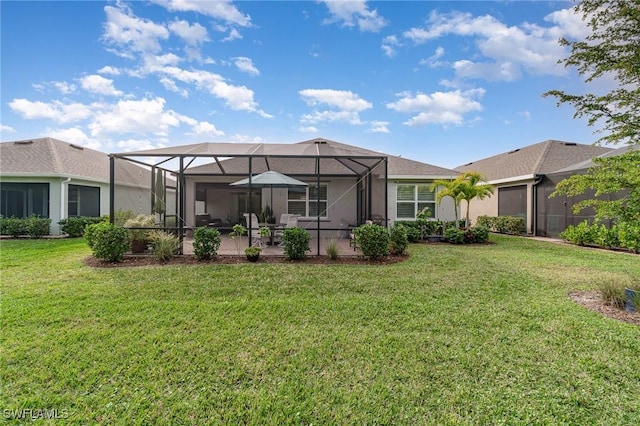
[[445, 83]]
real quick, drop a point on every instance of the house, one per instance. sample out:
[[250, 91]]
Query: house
[[347, 185], [56, 179], [517, 175], [554, 215]]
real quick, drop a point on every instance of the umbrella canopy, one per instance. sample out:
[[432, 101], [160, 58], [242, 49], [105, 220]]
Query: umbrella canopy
[[270, 179]]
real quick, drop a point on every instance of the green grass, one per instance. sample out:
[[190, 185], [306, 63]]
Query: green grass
[[455, 335]]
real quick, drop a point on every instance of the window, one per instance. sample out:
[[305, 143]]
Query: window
[[411, 199], [304, 201], [24, 199], [83, 201]]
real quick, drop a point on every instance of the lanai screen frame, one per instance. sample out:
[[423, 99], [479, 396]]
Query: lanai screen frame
[[187, 154]]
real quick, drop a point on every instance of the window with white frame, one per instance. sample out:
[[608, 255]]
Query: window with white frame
[[412, 198], [304, 201]]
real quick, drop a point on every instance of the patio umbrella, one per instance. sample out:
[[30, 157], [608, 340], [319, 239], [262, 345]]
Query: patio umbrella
[[271, 180]]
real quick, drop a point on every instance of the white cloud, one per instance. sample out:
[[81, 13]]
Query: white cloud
[[61, 86], [350, 117], [433, 61], [192, 34], [100, 85], [73, 135], [204, 129], [438, 107], [505, 52], [219, 9], [235, 97], [173, 87], [354, 13], [129, 145], [134, 116], [125, 30], [233, 35], [246, 65], [347, 105], [57, 111], [342, 99], [379, 127], [108, 69], [7, 129], [389, 45], [308, 129]]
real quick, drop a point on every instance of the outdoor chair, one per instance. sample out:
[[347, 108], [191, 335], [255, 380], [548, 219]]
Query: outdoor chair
[[256, 238], [292, 222]]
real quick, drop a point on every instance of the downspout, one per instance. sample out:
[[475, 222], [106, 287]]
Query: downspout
[[63, 201], [534, 200]]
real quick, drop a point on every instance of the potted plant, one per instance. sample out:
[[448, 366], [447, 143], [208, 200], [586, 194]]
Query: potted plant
[[139, 237], [253, 253], [267, 215], [236, 235]]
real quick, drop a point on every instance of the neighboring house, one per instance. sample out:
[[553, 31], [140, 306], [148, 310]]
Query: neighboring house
[[517, 174], [55, 179], [347, 184], [554, 215]]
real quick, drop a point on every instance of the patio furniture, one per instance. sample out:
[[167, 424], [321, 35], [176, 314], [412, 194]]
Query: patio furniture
[[292, 222], [252, 223]]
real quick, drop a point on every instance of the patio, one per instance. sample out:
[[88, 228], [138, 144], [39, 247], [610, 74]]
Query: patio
[[228, 247]]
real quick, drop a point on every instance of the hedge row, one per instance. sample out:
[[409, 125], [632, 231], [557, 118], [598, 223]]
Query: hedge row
[[504, 224], [33, 226], [625, 235]]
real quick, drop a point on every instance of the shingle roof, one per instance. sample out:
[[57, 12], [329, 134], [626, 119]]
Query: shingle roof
[[540, 158], [583, 165], [305, 163], [53, 157]]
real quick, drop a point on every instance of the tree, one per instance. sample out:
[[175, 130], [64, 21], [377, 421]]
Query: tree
[[618, 175], [449, 188], [612, 50], [473, 185]]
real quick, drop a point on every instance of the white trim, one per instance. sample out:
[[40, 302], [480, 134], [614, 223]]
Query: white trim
[[419, 177], [511, 179]]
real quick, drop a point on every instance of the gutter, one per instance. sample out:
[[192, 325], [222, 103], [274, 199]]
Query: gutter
[[534, 200]]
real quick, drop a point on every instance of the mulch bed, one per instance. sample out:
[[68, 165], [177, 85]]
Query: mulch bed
[[592, 300], [133, 261]]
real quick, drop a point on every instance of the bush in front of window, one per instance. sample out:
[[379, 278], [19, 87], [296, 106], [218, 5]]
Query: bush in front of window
[[296, 243], [107, 241], [206, 242], [398, 239], [373, 240], [33, 226], [74, 226]]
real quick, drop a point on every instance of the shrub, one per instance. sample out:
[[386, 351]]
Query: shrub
[[373, 240], [74, 226], [503, 224], [206, 242], [13, 226], [629, 235], [120, 217], [454, 235], [479, 234], [165, 245], [412, 228], [332, 249], [140, 221], [107, 241], [236, 235], [296, 243], [37, 226], [607, 237], [581, 234], [398, 239]]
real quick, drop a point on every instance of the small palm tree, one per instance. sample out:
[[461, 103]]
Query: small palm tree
[[449, 188], [473, 185]]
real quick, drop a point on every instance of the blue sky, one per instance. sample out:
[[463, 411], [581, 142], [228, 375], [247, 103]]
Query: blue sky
[[441, 82]]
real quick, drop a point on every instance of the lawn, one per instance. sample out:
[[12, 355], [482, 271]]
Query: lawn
[[454, 335]]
